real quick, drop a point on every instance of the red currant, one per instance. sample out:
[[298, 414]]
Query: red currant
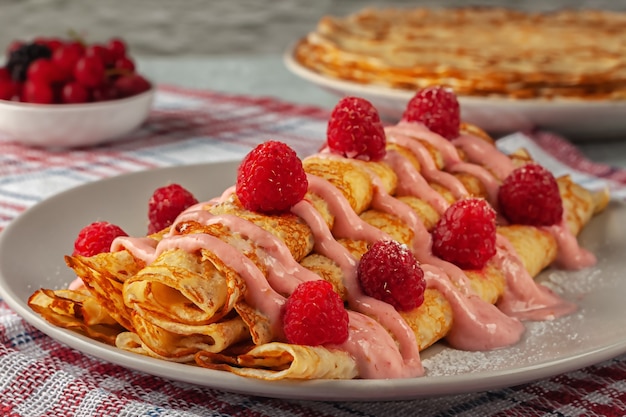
[[74, 92], [54, 44], [78, 45], [129, 85], [37, 92], [71, 71], [7, 89], [45, 71], [105, 92], [101, 52], [66, 58], [89, 71], [117, 48], [125, 64]]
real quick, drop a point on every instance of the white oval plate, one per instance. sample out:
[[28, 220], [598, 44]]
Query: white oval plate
[[575, 119], [33, 245]]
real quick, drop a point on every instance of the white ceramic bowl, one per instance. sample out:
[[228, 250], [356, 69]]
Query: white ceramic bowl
[[73, 125]]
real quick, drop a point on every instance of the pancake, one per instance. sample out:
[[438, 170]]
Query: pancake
[[476, 51]]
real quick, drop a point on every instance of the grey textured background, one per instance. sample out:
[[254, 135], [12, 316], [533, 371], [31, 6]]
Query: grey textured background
[[205, 27]]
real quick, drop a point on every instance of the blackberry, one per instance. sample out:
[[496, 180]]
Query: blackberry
[[22, 57]]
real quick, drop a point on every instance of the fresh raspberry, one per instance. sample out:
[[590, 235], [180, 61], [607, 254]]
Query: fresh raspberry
[[271, 178], [314, 314], [96, 238], [530, 195], [437, 108], [466, 234], [389, 272], [355, 130], [166, 204]]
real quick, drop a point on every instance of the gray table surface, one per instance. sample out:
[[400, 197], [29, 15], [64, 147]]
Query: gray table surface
[[266, 75]]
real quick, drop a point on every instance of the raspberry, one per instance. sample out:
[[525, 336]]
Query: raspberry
[[437, 108], [389, 272], [96, 238], [355, 130], [271, 178], [166, 204], [315, 315], [530, 195], [466, 234]]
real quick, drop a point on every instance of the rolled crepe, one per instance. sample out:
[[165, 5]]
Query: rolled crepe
[[274, 361], [104, 275], [76, 310], [211, 288]]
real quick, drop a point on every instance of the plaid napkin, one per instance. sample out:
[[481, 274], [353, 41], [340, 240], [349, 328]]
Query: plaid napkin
[[41, 377]]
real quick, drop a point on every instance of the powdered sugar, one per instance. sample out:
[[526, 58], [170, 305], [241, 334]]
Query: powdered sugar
[[544, 342]]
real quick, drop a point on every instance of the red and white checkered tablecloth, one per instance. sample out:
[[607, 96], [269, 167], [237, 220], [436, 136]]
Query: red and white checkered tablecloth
[[41, 377]]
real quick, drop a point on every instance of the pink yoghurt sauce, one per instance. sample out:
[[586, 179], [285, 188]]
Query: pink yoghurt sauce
[[76, 284], [477, 325], [474, 317], [407, 363], [570, 254], [427, 164], [375, 351], [478, 151], [413, 183], [524, 298], [451, 159], [347, 223]]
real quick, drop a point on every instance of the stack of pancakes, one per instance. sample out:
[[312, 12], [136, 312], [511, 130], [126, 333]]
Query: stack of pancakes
[[477, 51]]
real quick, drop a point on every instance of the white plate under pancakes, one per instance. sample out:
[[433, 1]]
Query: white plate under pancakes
[[583, 120], [31, 256]]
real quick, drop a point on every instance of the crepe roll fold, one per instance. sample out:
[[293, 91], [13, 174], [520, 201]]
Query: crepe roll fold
[[181, 343], [181, 288], [104, 275], [76, 310], [277, 361]]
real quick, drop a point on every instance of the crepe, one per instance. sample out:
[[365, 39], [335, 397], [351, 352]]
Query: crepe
[[274, 361], [76, 310], [210, 289], [477, 51]]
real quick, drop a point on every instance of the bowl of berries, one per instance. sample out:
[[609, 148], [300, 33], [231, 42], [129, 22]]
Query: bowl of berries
[[67, 93]]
